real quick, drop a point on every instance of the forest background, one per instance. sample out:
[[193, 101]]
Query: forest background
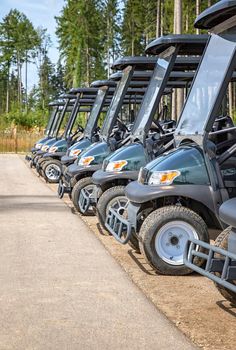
[[91, 35]]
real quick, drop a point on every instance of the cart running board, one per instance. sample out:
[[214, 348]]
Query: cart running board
[[119, 227], [225, 266]]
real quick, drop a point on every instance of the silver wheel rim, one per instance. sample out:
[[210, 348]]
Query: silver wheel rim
[[53, 172], [171, 239], [119, 204]]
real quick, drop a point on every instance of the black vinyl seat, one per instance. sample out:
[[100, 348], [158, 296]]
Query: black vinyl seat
[[228, 212]]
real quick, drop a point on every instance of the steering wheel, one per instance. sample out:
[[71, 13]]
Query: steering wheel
[[158, 125], [122, 126]]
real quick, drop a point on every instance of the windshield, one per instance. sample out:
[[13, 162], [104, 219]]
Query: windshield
[[116, 102], [95, 112], [206, 86], [72, 117], [56, 122], [51, 120], [151, 100]]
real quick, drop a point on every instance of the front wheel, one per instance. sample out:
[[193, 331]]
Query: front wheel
[[115, 198], [52, 171], [84, 187], [222, 242], [163, 237]]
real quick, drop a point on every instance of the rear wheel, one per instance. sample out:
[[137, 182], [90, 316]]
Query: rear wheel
[[87, 185], [222, 242], [164, 234], [52, 170], [115, 198]]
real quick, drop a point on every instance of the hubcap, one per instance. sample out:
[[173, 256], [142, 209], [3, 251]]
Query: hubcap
[[171, 239], [53, 172]]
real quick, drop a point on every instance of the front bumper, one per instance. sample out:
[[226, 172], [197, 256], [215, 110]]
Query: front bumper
[[87, 200], [122, 229], [224, 266]]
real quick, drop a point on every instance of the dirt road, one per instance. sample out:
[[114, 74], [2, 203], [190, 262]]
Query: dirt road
[[59, 287]]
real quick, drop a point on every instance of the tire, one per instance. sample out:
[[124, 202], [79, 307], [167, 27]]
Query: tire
[[222, 242], [157, 241], [40, 164], [81, 184], [52, 170], [105, 201]]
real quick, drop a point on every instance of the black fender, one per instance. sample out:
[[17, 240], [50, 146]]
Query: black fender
[[204, 194], [101, 177], [56, 155], [77, 171], [67, 160], [40, 152]]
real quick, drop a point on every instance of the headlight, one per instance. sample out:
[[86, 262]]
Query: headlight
[[116, 166], [53, 149], [45, 148], [85, 161], [75, 152], [163, 177], [38, 145]]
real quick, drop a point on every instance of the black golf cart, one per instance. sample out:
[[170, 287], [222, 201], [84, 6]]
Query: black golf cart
[[220, 258], [149, 136], [177, 196]]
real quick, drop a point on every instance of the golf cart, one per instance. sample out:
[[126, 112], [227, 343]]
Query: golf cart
[[63, 110], [55, 109], [91, 131], [177, 196], [91, 159], [68, 178], [83, 100], [220, 258], [150, 136]]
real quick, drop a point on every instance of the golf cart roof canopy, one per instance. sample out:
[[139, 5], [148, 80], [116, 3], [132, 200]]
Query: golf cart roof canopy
[[139, 62], [189, 44], [100, 83], [90, 91], [54, 103], [216, 14], [67, 96]]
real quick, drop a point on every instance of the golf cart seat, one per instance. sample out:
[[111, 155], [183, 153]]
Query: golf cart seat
[[228, 212], [168, 124], [227, 137]]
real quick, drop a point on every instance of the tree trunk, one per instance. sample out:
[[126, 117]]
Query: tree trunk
[[87, 66], [198, 10], [209, 3], [158, 22], [8, 87], [178, 30], [26, 82]]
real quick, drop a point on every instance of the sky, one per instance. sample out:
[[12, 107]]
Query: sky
[[41, 13]]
